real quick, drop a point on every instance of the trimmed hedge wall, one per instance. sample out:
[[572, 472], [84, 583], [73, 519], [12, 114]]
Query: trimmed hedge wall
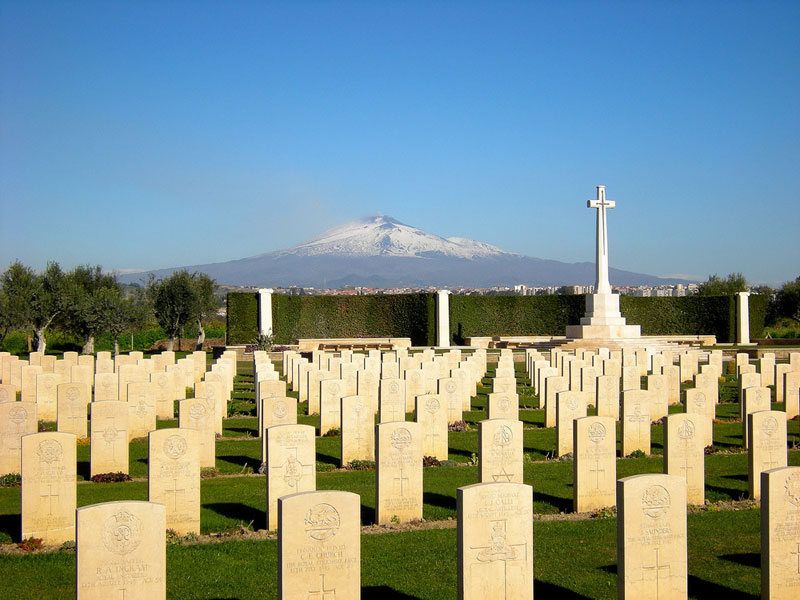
[[481, 316], [394, 315], [242, 320], [414, 316]]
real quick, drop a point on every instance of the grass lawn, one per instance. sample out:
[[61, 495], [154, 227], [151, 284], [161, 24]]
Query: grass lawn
[[573, 558]]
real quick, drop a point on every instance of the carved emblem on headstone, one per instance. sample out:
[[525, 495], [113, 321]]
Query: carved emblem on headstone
[[279, 409], [50, 451], [72, 393], [175, 446], [322, 521], [655, 501], [432, 405], [122, 533], [394, 387], [793, 488], [770, 426], [503, 436], [18, 414], [686, 430], [597, 432], [401, 438]]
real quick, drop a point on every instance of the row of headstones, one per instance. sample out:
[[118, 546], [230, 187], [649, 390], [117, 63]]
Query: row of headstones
[[327, 378], [319, 542], [115, 423], [49, 482]]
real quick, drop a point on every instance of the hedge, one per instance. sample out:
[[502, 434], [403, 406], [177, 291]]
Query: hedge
[[242, 319], [481, 316], [391, 315], [414, 316]]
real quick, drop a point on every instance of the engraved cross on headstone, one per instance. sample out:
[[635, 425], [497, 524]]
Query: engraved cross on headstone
[[597, 470], [175, 491], [49, 495], [657, 567], [322, 593], [401, 479], [797, 554]]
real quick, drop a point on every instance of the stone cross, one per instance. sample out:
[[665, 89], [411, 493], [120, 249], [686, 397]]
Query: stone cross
[[601, 204]]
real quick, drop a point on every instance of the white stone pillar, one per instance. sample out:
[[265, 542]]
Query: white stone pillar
[[443, 318], [265, 311], [743, 318]]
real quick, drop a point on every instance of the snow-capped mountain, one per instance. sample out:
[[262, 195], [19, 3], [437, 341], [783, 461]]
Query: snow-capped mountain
[[384, 236], [380, 251]]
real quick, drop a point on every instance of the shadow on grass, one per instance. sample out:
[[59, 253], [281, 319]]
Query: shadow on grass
[[560, 504], [367, 515], [242, 461], [328, 459], [700, 588], [747, 559], [384, 592], [460, 452], [84, 469], [545, 589], [11, 525], [251, 431], [732, 493], [434, 499], [239, 512], [737, 477]]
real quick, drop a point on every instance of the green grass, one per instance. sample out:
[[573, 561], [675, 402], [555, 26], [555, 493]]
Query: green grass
[[572, 560]]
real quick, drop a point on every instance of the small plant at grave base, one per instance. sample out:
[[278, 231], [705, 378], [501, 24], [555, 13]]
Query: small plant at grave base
[[173, 538], [111, 477], [191, 537], [208, 472], [473, 459], [608, 512], [323, 467], [31, 544], [334, 432], [710, 450], [565, 457], [67, 546], [42, 426], [83, 441], [637, 454], [457, 426], [360, 465], [246, 469], [395, 520], [11, 480], [430, 461]]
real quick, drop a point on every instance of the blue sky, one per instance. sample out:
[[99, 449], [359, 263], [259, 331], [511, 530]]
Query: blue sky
[[156, 134]]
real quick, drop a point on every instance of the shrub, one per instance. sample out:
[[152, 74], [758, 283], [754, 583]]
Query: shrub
[[430, 461], [31, 544], [111, 477], [360, 465], [11, 480]]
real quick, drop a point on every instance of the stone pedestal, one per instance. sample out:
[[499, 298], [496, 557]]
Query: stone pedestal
[[603, 320]]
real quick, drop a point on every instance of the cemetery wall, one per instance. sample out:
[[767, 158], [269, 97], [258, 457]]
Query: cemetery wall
[[242, 319]]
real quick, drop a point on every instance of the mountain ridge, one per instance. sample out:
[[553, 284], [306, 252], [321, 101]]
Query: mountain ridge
[[380, 251]]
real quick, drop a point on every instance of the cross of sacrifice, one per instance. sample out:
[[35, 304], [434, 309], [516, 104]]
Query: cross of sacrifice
[[601, 204]]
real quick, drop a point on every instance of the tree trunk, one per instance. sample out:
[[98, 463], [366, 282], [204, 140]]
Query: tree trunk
[[131, 341], [201, 336], [180, 339], [88, 346], [171, 344], [41, 342], [116, 346]]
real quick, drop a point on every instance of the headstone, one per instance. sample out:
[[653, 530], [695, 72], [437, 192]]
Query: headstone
[[212, 393], [16, 419], [631, 379], [331, 394], [747, 380], [173, 477], [432, 418], [120, 551], [450, 395], [392, 402], [357, 441], [398, 458], [702, 410], [570, 405], [28, 376], [195, 413], [684, 454], [673, 383], [104, 365], [109, 437], [594, 468], [141, 409], [780, 533], [502, 406], [82, 374], [791, 393], [47, 396], [780, 372], [500, 446], [651, 538], [635, 422], [657, 386], [163, 385], [552, 387], [106, 387], [319, 545], [48, 495], [73, 399], [506, 385], [766, 446], [495, 541], [290, 464], [755, 399], [608, 396], [8, 393], [589, 377], [767, 369]]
